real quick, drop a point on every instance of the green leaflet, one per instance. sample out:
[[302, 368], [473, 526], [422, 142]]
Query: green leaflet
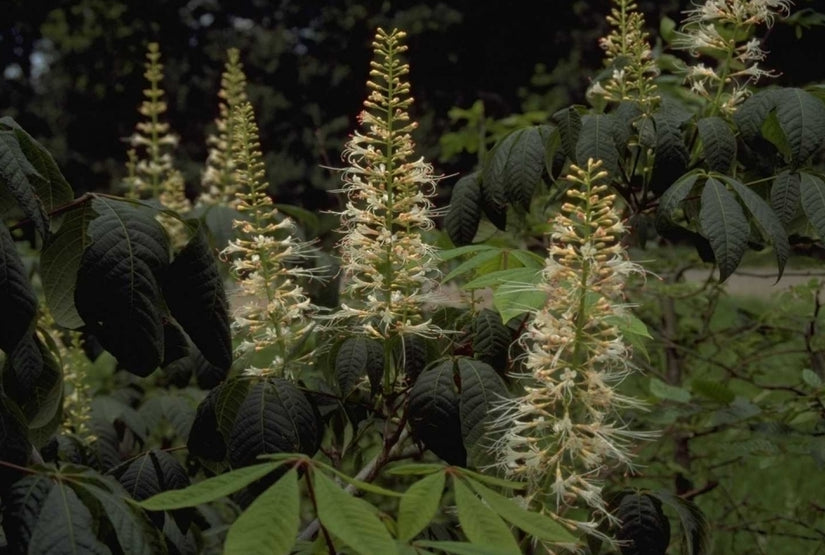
[[675, 194], [668, 392], [18, 301], [596, 142], [569, 124], [208, 490], [696, 529], [350, 519], [481, 390], [462, 548], [480, 524], [491, 339], [270, 524], [419, 505], [358, 357], [65, 525], [724, 224], [718, 143], [785, 193], [802, 119], [643, 524], [812, 192], [464, 213], [515, 166], [434, 413], [18, 176]]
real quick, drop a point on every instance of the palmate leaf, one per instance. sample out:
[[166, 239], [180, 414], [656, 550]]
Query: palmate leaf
[[275, 417], [270, 524], [350, 519], [766, 219], [725, 225], [18, 301], [718, 143], [480, 523], [59, 264], [812, 190], [464, 213], [358, 357], [434, 413], [785, 193], [481, 390], [65, 526], [802, 118], [18, 177], [118, 294], [419, 505], [596, 142], [195, 294]]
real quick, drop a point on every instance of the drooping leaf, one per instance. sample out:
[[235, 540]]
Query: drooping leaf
[[356, 358], [175, 345], [208, 490], [464, 213], [18, 301], [812, 192], [350, 519], [59, 264], [419, 505], [275, 417], [554, 155], [151, 473], [644, 529], [718, 143], [481, 390], [536, 524], [785, 193], [118, 294], [671, 153], [480, 523], [802, 118], [596, 142], [767, 220], [18, 177], [491, 339], [725, 225], [21, 508], [194, 292], [434, 413], [569, 124], [694, 524], [65, 526], [270, 524]]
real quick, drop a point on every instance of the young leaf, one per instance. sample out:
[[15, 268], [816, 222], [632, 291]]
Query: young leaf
[[358, 357], [65, 525], [785, 193], [419, 505], [802, 118], [812, 190], [194, 291], [270, 524], [434, 413], [481, 390], [596, 142], [474, 262], [718, 143], [350, 519], [18, 301], [118, 293], [59, 264], [765, 219], [18, 176], [536, 524], [480, 524], [725, 226], [464, 213]]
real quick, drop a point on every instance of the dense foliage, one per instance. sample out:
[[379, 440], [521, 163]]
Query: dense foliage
[[185, 370]]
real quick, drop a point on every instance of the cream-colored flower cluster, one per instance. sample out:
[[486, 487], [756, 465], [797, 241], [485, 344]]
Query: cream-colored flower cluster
[[388, 269], [218, 179], [716, 28], [274, 314], [567, 429], [628, 51]]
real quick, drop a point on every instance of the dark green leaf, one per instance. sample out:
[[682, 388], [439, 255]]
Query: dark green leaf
[[480, 524], [109, 409], [275, 417], [493, 192], [233, 394], [65, 526], [718, 143], [554, 156], [596, 142], [812, 192], [785, 193], [750, 116], [644, 529], [18, 301], [419, 505], [802, 119], [118, 293], [767, 220], [270, 524], [205, 439], [625, 117], [695, 527], [21, 508], [60, 262], [491, 339], [18, 176], [481, 390], [152, 473], [350, 519], [671, 153], [43, 397], [464, 213], [434, 413], [14, 445], [725, 225], [676, 193], [569, 123], [175, 345], [461, 548], [356, 358], [22, 371], [194, 292], [524, 166], [413, 356]]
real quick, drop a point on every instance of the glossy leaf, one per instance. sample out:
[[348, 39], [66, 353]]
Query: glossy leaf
[[718, 143], [812, 193], [752, 113], [725, 226], [270, 524], [464, 213], [419, 505], [434, 413], [18, 301], [480, 523]]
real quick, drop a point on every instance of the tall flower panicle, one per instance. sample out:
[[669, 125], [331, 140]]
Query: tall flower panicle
[[274, 313], [567, 429], [723, 29], [218, 179], [628, 52], [388, 269]]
